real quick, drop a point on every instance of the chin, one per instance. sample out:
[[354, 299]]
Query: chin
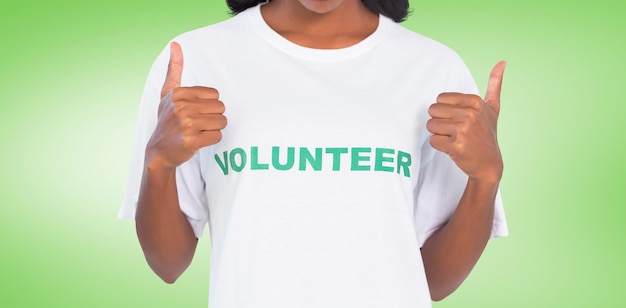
[[321, 6]]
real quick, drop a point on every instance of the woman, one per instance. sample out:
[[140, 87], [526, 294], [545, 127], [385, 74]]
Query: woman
[[358, 167]]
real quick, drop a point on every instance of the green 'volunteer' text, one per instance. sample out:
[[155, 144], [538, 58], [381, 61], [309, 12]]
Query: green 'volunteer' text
[[306, 159]]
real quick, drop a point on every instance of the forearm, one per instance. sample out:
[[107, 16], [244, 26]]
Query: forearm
[[165, 235], [450, 253]]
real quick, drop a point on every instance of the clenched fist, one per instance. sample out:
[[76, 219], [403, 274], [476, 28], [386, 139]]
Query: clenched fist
[[189, 118], [464, 126]]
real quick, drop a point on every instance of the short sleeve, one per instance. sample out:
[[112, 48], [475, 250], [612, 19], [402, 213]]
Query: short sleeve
[[440, 187], [441, 182], [192, 194], [190, 184]]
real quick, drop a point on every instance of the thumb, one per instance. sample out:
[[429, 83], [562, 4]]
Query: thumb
[[174, 69], [492, 96]]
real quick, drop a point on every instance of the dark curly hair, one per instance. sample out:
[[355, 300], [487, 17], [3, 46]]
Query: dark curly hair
[[394, 9]]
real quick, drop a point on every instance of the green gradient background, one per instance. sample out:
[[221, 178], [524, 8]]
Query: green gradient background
[[71, 75]]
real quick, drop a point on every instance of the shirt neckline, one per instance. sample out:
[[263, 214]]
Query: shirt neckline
[[324, 55]]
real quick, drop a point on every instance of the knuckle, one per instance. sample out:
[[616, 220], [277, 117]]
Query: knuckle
[[179, 107], [181, 110], [186, 124], [177, 93], [203, 92], [439, 144], [471, 115], [475, 101], [215, 121], [429, 125], [462, 130], [434, 142], [214, 92], [223, 121], [459, 148], [431, 109], [448, 95], [219, 106], [188, 142], [215, 137], [444, 95], [218, 135]]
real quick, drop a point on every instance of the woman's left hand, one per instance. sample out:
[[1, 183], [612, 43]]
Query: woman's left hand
[[464, 126]]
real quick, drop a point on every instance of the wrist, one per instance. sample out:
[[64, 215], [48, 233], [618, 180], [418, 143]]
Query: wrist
[[491, 178], [486, 182], [156, 164], [489, 175]]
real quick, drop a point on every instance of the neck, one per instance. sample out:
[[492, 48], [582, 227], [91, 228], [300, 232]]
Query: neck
[[321, 27]]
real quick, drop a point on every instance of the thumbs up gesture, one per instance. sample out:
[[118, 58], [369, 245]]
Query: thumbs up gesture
[[189, 118], [464, 126]]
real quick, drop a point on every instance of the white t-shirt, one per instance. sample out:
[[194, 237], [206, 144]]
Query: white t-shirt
[[324, 186]]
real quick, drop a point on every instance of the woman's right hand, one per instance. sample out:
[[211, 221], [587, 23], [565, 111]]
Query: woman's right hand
[[189, 118]]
